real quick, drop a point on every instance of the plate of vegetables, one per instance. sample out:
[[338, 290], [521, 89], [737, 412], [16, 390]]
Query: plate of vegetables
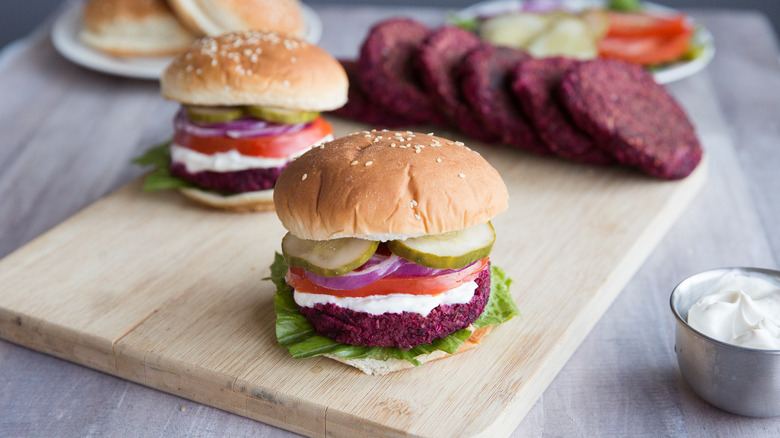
[[664, 40]]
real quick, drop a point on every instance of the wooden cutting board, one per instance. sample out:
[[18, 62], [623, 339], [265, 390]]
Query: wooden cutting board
[[157, 290]]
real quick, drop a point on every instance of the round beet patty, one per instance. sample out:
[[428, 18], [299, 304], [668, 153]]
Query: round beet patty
[[403, 330], [250, 180]]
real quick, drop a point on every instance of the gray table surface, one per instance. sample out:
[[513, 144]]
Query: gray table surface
[[67, 135]]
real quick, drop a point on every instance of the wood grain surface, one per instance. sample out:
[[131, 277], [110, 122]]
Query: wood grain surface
[[155, 289], [68, 135]]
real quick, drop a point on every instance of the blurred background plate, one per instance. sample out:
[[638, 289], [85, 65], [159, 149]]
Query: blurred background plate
[[663, 75], [64, 36]]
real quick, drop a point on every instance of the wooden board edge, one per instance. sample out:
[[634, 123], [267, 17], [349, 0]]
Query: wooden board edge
[[58, 341], [200, 385]]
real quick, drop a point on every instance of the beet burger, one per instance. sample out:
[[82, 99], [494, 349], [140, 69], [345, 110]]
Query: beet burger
[[387, 254], [250, 103]]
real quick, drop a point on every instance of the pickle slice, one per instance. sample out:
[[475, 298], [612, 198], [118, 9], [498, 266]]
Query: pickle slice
[[328, 258], [569, 36], [451, 250], [514, 29], [213, 114], [278, 115]]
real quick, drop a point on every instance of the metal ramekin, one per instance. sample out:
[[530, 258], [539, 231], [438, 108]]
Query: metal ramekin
[[740, 380]]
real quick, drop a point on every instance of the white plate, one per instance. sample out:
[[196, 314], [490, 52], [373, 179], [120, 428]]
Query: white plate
[[65, 37], [664, 75]]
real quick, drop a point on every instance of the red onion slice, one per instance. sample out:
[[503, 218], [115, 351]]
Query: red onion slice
[[411, 269], [377, 267], [245, 127]]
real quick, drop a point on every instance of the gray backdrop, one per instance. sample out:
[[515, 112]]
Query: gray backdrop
[[19, 17]]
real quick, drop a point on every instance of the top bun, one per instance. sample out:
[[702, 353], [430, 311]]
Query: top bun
[[256, 68], [133, 28], [386, 185], [213, 17]]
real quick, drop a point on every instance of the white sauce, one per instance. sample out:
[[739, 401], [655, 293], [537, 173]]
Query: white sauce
[[230, 161], [743, 311], [392, 303]]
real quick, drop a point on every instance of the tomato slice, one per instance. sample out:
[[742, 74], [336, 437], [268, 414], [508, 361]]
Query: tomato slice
[[644, 24], [391, 285], [646, 50], [272, 146]]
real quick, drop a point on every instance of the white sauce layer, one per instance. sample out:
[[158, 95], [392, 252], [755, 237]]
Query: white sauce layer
[[230, 161], [392, 303], [743, 311]]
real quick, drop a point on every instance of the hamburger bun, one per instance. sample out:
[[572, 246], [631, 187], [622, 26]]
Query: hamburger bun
[[378, 367], [239, 203], [386, 185], [214, 17], [133, 28], [256, 68]]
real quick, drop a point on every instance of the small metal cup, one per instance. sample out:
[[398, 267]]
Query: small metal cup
[[744, 381]]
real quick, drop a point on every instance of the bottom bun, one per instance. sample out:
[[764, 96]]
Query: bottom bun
[[377, 367], [262, 200]]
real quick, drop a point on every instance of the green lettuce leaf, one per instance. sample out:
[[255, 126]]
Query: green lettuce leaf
[[160, 177], [298, 335], [470, 24]]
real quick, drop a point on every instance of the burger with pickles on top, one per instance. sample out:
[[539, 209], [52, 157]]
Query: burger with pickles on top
[[386, 263], [250, 103]]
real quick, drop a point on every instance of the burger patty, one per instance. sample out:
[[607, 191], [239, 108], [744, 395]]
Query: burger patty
[[403, 330], [439, 61], [249, 180], [386, 69], [361, 108], [622, 107], [536, 85], [486, 86]]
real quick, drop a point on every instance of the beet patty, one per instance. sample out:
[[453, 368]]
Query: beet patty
[[361, 108], [536, 87], [250, 180], [486, 85], [386, 69], [630, 115], [403, 330], [439, 62]]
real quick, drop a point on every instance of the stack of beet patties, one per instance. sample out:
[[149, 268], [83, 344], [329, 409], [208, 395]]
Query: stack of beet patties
[[595, 112]]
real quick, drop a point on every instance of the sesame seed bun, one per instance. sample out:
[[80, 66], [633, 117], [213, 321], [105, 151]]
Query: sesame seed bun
[[385, 185], [133, 28], [214, 17], [256, 68]]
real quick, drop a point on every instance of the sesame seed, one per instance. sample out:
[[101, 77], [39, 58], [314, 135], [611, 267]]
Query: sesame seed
[[438, 160], [459, 143], [413, 203], [462, 175], [430, 133], [417, 216], [392, 145], [368, 163], [354, 163], [304, 177]]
